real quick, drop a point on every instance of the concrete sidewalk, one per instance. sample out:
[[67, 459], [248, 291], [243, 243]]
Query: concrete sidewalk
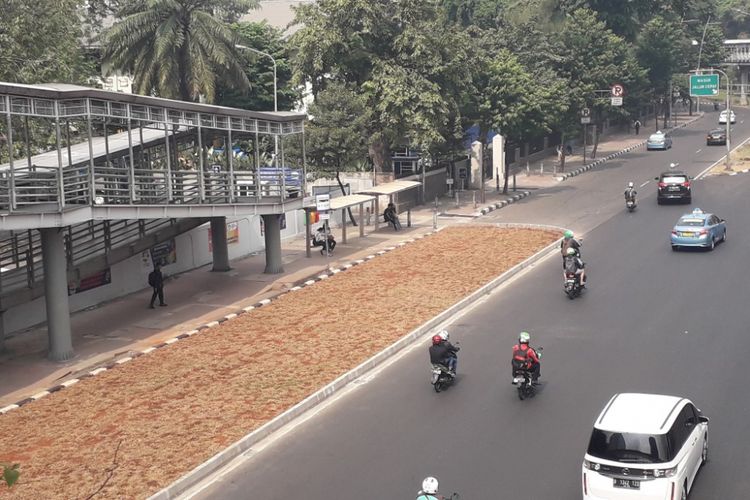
[[117, 328]]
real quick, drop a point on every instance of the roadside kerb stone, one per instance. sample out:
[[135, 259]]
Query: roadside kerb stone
[[222, 458], [598, 162], [501, 204]]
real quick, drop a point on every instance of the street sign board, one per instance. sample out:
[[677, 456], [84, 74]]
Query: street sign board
[[617, 90], [449, 181], [462, 173], [323, 202], [585, 120], [617, 101], [585, 112], [325, 215], [702, 85]]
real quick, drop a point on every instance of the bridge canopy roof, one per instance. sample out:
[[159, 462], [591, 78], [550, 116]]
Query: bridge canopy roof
[[61, 100]]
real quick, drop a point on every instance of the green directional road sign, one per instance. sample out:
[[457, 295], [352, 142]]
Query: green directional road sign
[[704, 85]]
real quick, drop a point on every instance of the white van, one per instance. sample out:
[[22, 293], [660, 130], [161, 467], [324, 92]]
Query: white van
[[645, 446]]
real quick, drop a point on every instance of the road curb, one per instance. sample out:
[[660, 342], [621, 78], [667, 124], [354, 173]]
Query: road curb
[[210, 466], [598, 162], [502, 204]]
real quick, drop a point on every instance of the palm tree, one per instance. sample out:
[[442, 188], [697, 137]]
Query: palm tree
[[176, 48]]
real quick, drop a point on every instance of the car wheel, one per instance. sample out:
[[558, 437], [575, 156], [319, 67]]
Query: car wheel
[[713, 243], [658, 201], [683, 496], [704, 452], [689, 200], [724, 236], [675, 248]]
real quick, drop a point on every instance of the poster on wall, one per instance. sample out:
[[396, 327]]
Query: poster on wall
[[164, 254], [89, 282], [282, 224], [233, 235]]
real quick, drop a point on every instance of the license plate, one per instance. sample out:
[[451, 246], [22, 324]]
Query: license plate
[[674, 188], [631, 484], [688, 235]]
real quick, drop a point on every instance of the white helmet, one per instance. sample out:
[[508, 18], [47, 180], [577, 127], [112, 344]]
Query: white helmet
[[630, 184], [430, 485], [445, 336]]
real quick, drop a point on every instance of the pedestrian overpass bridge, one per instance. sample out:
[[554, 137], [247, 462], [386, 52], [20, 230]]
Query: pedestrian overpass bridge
[[88, 177]]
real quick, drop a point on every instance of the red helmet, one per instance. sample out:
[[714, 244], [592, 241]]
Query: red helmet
[[436, 339]]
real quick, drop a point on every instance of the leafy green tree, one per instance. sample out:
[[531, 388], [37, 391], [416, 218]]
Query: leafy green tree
[[259, 71], [735, 17], [590, 57], [40, 42], [177, 49], [409, 66]]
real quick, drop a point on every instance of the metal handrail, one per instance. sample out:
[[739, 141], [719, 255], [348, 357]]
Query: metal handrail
[[117, 184]]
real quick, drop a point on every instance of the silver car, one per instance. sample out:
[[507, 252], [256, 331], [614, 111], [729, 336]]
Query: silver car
[[659, 140]]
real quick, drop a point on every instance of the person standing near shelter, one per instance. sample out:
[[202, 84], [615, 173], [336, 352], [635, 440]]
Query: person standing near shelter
[[156, 281], [637, 126]]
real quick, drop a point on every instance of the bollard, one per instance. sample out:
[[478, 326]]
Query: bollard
[[474, 198], [457, 204], [527, 169], [541, 168], [514, 182]]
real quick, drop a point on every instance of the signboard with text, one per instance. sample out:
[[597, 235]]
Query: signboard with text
[[704, 85]]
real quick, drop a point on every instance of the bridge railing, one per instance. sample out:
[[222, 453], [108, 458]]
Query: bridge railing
[[34, 188]]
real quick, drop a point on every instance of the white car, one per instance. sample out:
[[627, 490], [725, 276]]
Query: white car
[[645, 446], [723, 117]]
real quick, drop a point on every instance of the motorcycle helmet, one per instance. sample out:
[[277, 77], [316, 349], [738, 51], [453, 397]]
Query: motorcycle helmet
[[630, 184], [430, 486], [524, 338], [436, 339], [568, 234], [570, 251], [444, 335]]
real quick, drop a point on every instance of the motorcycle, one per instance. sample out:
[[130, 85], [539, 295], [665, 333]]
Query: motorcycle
[[319, 240], [630, 204], [442, 377], [572, 285], [522, 379]]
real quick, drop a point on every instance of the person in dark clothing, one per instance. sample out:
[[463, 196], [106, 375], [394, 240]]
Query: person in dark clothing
[[637, 126], [391, 217], [156, 281], [442, 352], [525, 357], [569, 241]]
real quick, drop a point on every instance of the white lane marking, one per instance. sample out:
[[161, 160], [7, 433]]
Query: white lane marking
[[644, 183], [698, 151], [705, 171]]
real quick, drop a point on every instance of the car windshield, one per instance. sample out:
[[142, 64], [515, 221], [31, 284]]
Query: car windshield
[[690, 222], [674, 179], [628, 447]]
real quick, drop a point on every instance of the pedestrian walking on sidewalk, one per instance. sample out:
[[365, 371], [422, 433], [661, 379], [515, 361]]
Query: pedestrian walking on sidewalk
[[156, 281], [637, 126]]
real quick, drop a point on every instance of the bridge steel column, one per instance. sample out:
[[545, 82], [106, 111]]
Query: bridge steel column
[[219, 247], [56, 295], [273, 244], [743, 84]]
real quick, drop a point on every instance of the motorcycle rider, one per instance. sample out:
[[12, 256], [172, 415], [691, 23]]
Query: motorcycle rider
[[429, 490], [630, 193], [572, 263], [525, 357], [442, 352], [569, 241]]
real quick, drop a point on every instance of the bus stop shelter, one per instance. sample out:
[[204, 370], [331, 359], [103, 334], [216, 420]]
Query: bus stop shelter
[[389, 189], [341, 203]]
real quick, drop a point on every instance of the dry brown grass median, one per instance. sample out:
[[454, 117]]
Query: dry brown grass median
[[140, 426]]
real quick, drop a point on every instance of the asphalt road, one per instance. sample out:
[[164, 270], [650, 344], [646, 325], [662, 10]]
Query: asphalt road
[[652, 321]]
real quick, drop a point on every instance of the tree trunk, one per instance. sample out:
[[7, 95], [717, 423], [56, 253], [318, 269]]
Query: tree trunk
[[343, 193], [564, 154], [378, 151], [506, 169], [595, 141]]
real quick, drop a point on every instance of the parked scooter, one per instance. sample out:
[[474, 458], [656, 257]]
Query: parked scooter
[[319, 240]]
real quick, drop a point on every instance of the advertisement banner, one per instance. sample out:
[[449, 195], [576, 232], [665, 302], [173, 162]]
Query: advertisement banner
[[164, 254], [233, 235], [89, 282]]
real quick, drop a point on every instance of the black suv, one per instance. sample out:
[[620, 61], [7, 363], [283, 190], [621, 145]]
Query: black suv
[[674, 185]]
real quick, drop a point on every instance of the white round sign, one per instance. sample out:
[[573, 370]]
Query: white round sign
[[617, 90]]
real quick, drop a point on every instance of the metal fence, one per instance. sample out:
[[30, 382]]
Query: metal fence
[[33, 188]]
